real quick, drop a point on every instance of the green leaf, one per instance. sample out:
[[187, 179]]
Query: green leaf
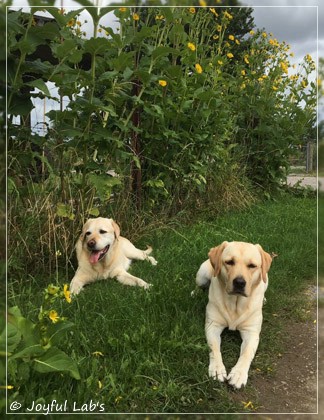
[[163, 51], [94, 212], [55, 360], [55, 331], [62, 20], [96, 46], [29, 351], [20, 105], [41, 85], [64, 210], [12, 336], [65, 48], [103, 185]]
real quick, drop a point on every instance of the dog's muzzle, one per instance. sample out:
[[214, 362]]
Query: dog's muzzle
[[239, 284], [96, 255]]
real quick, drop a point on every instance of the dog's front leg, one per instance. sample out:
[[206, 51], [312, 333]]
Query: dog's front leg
[[216, 368], [239, 374], [79, 280]]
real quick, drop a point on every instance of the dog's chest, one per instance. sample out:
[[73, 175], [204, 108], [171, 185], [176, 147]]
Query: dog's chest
[[236, 312]]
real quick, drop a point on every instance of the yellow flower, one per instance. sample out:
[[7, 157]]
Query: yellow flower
[[71, 22], [163, 83], [122, 9], [99, 384], [231, 37], [78, 23], [67, 293], [230, 55], [53, 316], [284, 67], [248, 404], [198, 68], [237, 42], [220, 62], [228, 15], [264, 35], [219, 28], [274, 88], [97, 353], [192, 10], [243, 86], [213, 11], [215, 37], [252, 32], [191, 46], [135, 16], [202, 3], [52, 290], [243, 73], [246, 59], [304, 83]]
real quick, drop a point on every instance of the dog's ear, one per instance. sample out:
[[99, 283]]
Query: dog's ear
[[84, 229], [215, 257], [116, 228], [266, 261]]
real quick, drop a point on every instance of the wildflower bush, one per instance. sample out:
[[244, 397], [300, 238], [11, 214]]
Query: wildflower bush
[[34, 345], [175, 109]]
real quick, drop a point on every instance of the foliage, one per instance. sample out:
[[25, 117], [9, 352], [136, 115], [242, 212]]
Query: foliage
[[179, 108], [33, 346]]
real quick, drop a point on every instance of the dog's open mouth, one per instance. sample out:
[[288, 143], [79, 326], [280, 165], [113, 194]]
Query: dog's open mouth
[[96, 256]]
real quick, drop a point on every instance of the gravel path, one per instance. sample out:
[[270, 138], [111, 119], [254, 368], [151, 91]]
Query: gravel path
[[306, 181]]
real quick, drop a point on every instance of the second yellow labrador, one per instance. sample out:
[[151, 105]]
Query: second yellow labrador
[[102, 253], [237, 273]]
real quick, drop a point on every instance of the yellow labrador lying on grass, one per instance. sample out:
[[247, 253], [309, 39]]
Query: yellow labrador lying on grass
[[237, 273], [103, 253]]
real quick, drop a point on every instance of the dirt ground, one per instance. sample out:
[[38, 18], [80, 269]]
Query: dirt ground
[[295, 390], [299, 379], [291, 391]]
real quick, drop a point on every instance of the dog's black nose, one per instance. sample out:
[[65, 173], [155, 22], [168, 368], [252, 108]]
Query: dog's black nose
[[91, 244], [239, 283]]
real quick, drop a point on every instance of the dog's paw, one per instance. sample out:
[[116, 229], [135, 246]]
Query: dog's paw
[[142, 283], [217, 372], [152, 260], [75, 288], [237, 377]]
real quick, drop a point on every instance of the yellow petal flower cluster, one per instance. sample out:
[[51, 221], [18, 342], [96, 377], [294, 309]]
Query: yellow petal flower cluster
[[191, 46], [198, 68]]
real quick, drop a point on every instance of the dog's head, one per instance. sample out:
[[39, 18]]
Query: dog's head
[[240, 265], [97, 237]]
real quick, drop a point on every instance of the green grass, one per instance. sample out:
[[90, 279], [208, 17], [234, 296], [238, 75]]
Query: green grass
[[154, 353]]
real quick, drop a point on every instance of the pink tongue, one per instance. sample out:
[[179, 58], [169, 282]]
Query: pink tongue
[[94, 257]]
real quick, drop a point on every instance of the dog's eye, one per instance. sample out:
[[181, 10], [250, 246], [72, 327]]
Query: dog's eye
[[101, 231], [87, 233], [230, 262], [251, 266]]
